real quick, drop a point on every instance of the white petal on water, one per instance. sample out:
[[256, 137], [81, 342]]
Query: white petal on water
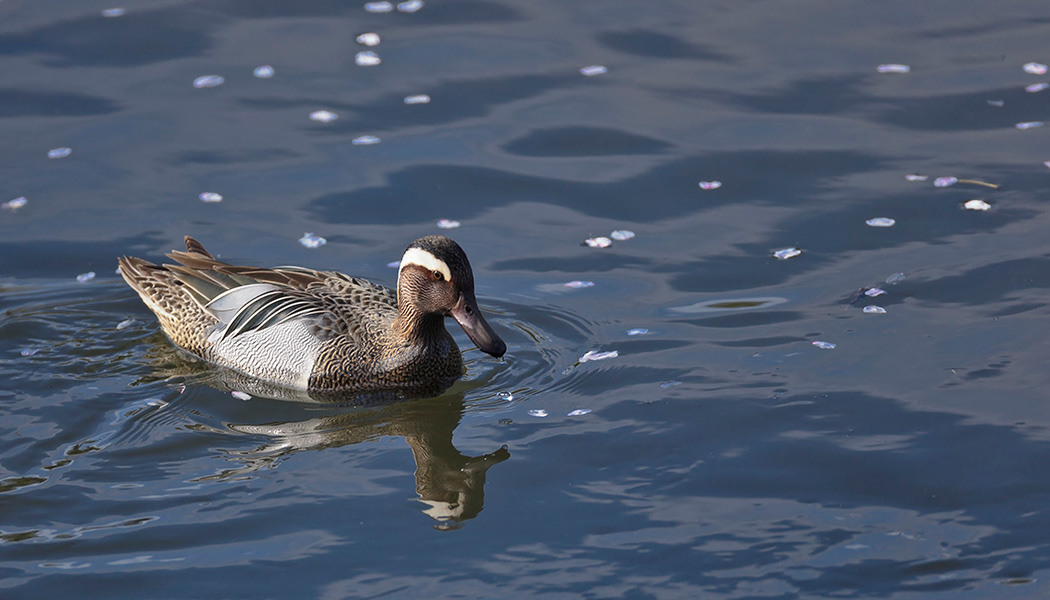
[[448, 224], [1029, 124], [593, 355], [895, 278], [84, 277], [881, 222], [824, 345], [21, 201], [417, 99], [996, 103], [786, 253], [1036, 87], [367, 58], [379, 7], [263, 72], [874, 310], [110, 13], [621, 235], [365, 140], [29, 351], [410, 6], [598, 242], [394, 265], [579, 284], [1046, 164], [323, 116], [945, 181], [241, 395], [593, 70], [505, 396], [368, 39], [638, 331], [977, 205], [208, 81], [913, 177], [873, 292], [125, 323], [670, 384], [580, 412], [710, 185], [1035, 68], [210, 197], [59, 152], [312, 241], [538, 412], [893, 68]]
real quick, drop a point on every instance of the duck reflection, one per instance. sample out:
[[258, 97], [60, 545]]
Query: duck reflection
[[450, 483]]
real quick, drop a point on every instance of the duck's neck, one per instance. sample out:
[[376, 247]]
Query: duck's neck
[[416, 327]]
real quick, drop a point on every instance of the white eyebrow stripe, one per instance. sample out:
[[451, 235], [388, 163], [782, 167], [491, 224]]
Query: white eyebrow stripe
[[418, 256]]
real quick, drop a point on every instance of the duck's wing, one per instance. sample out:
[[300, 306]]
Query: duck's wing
[[247, 299]]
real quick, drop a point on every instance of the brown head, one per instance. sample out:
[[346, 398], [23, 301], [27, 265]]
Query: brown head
[[435, 279]]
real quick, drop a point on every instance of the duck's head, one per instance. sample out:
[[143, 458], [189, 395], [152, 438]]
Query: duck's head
[[435, 279]]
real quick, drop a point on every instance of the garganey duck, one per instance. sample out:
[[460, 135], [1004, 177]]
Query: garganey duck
[[320, 330]]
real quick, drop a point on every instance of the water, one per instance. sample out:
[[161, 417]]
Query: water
[[724, 454]]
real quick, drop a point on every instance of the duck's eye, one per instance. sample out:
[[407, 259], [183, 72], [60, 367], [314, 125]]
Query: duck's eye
[[438, 275]]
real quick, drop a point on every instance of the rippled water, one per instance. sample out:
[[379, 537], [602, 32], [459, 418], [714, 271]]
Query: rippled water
[[714, 451]]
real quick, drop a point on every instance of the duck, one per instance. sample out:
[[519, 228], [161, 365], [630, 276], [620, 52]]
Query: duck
[[319, 331]]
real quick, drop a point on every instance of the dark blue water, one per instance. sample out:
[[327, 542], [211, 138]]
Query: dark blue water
[[724, 455]]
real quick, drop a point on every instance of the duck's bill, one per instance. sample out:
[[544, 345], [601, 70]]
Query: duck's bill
[[468, 316]]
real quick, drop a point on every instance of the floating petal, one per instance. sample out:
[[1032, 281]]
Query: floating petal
[[710, 185], [1036, 87], [312, 241], [84, 277], [824, 345], [263, 72], [367, 58], [579, 284], [945, 181], [29, 351], [874, 310], [410, 7], [448, 224], [379, 7], [323, 116], [873, 292], [21, 201], [110, 13], [881, 222], [59, 152], [208, 81], [538, 412], [670, 384], [996, 103], [638, 331], [1035, 68], [505, 396], [593, 355], [593, 70], [417, 99], [241, 395], [368, 39], [786, 253], [210, 197], [977, 205], [394, 265], [580, 412], [125, 323], [365, 140], [893, 68], [1029, 124], [895, 278], [598, 242], [621, 235], [913, 177]]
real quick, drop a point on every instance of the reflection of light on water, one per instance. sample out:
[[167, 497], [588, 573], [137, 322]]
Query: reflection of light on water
[[730, 304]]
